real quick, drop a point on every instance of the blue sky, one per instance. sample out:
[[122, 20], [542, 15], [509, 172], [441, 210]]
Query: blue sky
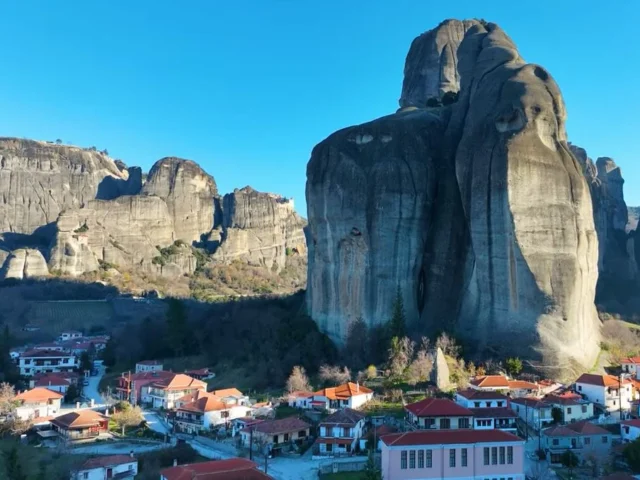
[[247, 88]]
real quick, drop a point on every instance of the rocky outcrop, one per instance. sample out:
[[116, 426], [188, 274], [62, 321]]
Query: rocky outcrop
[[477, 211], [24, 263], [189, 194], [440, 371], [634, 215], [259, 228], [38, 180]]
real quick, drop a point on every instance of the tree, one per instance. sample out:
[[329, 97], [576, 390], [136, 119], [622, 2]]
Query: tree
[[12, 465], [334, 375], [356, 350], [569, 460], [371, 472], [72, 394], [372, 372], [109, 353], [128, 416], [632, 455], [179, 334], [400, 354], [8, 370], [480, 371], [7, 398], [514, 366], [58, 141], [298, 380], [85, 362], [397, 324], [448, 345], [420, 369], [556, 413]]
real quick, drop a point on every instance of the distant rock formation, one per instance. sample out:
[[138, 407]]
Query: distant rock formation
[[259, 228], [477, 211], [634, 215], [440, 372], [24, 263]]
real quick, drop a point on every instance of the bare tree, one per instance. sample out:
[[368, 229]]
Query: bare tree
[[7, 398], [400, 355], [539, 471], [420, 368], [298, 380], [448, 345], [334, 374], [129, 416]]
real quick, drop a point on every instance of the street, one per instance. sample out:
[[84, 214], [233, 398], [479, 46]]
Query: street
[[155, 423], [91, 391]]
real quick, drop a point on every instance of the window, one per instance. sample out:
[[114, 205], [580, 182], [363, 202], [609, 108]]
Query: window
[[568, 410], [346, 432], [329, 447], [463, 423], [286, 437], [445, 423], [452, 457], [605, 439], [584, 409], [275, 439], [412, 459], [429, 458], [403, 459], [587, 441], [302, 433], [501, 455], [580, 388], [476, 404], [556, 441], [494, 455], [429, 422], [463, 454], [486, 455], [488, 404], [420, 458], [510, 455], [500, 404], [85, 475]]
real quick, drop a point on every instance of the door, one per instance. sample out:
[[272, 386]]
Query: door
[[109, 473]]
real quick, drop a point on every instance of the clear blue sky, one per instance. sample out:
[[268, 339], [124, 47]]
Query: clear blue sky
[[247, 88]]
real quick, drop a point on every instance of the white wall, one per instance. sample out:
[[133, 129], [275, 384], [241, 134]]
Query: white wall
[[465, 402], [101, 473], [602, 396], [629, 433], [359, 400], [215, 417]]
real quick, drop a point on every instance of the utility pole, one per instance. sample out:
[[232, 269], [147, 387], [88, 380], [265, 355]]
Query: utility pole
[[251, 442], [526, 420], [620, 393]]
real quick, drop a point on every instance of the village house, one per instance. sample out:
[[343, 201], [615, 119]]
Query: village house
[[120, 467], [300, 399], [501, 418], [573, 407], [54, 347], [584, 439], [201, 411], [200, 373], [232, 396], [453, 454], [149, 366], [276, 434], [130, 385], [500, 383], [630, 430], [340, 432], [351, 395], [438, 414], [58, 382], [471, 398], [232, 468], [606, 391], [239, 424], [38, 402], [631, 365], [163, 393], [522, 388], [79, 425], [533, 411], [46, 361], [69, 335]]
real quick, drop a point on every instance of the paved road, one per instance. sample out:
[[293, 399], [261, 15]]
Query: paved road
[[91, 391], [118, 448], [155, 423]]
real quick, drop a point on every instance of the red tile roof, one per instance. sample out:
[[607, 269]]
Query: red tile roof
[[52, 380], [577, 428], [471, 394], [530, 402], [300, 394], [445, 437], [522, 385], [180, 381], [493, 412], [601, 380], [82, 418], [564, 399], [107, 461], [438, 407], [199, 371], [345, 391], [284, 425], [44, 354], [205, 402], [230, 469], [630, 360], [632, 423], [346, 417], [228, 392], [491, 381], [39, 394]]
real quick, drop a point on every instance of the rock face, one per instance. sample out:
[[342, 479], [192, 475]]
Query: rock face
[[634, 214], [38, 180], [188, 192], [259, 228], [478, 211], [440, 372], [24, 263]]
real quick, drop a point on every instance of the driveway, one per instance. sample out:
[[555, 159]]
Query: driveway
[[91, 391], [155, 423]]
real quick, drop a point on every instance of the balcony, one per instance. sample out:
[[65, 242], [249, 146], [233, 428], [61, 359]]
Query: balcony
[[190, 420]]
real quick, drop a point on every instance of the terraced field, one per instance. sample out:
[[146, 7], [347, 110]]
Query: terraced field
[[58, 315]]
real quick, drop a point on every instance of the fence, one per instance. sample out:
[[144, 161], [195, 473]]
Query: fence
[[340, 467]]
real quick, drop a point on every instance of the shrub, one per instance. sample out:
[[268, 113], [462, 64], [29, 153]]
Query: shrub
[[449, 98], [433, 102], [82, 228], [159, 260]]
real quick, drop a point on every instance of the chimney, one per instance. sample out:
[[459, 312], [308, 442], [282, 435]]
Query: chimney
[[357, 387], [131, 453], [175, 462]]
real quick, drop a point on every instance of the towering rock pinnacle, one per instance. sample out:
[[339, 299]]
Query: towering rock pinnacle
[[477, 211]]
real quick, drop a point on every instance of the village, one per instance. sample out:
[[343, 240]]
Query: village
[[494, 425]]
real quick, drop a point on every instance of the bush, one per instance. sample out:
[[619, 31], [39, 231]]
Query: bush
[[449, 98], [433, 102], [159, 260], [82, 229]]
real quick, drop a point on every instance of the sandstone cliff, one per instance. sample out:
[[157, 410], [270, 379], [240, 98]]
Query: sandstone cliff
[[24, 263], [38, 180], [478, 211], [259, 228]]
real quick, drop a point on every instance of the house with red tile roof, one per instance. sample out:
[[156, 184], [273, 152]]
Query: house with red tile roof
[[81, 424], [229, 469], [501, 418], [200, 373], [500, 383], [149, 366], [349, 395], [583, 438], [201, 411], [534, 411], [574, 408], [300, 399], [631, 365], [438, 414], [58, 382], [452, 454], [471, 398], [38, 402], [630, 430], [33, 362], [130, 385], [606, 391], [120, 467], [163, 393], [239, 424], [275, 435], [339, 433]]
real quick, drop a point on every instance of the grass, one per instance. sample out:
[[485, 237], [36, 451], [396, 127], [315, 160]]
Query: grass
[[34, 460], [379, 407], [284, 411], [343, 476]]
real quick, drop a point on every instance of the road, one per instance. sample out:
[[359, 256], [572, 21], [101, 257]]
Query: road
[[118, 448], [155, 423], [91, 391]]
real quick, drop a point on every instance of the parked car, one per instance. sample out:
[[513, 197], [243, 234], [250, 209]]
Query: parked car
[[85, 382]]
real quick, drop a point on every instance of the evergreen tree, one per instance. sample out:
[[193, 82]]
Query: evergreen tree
[[109, 353], [85, 362], [8, 370], [371, 472], [181, 339], [397, 325], [12, 465]]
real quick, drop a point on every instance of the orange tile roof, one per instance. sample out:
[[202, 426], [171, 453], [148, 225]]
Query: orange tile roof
[[230, 469], [301, 394], [601, 380], [39, 394], [228, 392], [522, 385], [107, 461], [179, 382], [51, 380], [345, 391], [491, 381], [631, 360], [205, 402], [82, 418]]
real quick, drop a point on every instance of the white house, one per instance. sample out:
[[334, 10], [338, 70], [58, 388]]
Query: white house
[[534, 411], [38, 402], [70, 335], [149, 366], [349, 395], [122, 467], [300, 399], [630, 430], [573, 407], [606, 391], [631, 365], [202, 411], [46, 361], [500, 383], [340, 432], [164, 392], [471, 398], [499, 418], [58, 382]]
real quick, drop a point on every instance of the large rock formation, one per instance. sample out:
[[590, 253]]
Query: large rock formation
[[259, 228], [24, 263], [38, 180], [477, 211], [188, 191]]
